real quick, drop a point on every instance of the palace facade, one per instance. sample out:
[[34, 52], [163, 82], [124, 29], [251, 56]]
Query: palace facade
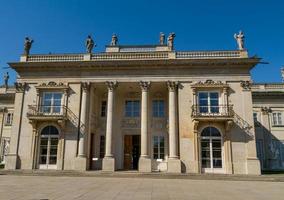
[[146, 108]]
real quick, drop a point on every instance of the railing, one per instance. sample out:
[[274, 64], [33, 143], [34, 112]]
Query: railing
[[199, 111], [157, 55], [46, 111]]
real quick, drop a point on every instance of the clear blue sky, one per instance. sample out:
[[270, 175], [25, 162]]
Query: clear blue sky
[[61, 26]]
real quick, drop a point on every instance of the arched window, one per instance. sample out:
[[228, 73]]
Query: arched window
[[48, 148], [211, 149]]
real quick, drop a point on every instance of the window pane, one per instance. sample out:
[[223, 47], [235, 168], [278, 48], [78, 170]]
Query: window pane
[[214, 95], [203, 95]]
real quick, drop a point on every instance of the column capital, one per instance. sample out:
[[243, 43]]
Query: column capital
[[172, 85], [145, 85], [20, 87], [85, 86], [111, 85], [266, 110]]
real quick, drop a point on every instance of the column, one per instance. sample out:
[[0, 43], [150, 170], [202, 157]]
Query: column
[[109, 161], [145, 160], [174, 164], [83, 124], [81, 160]]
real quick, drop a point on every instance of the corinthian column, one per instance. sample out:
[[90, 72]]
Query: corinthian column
[[83, 114], [174, 164], [109, 161], [144, 161]]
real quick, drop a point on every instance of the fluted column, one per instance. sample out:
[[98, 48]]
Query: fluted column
[[108, 161], [174, 164], [144, 161], [173, 137], [83, 116]]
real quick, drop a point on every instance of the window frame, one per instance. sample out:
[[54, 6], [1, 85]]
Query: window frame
[[103, 108], [163, 111], [132, 109], [209, 107], [160, 152], [10, 118], [52, 102], [279, 121]]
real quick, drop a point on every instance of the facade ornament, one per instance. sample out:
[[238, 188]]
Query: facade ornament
[[114, 40], [266, 110], [162, 38], [6, 79], [210, 83], [229, 125], [195, 125], [173, 85], [90, 44], [85, 86], [144, 85], [246, 85], [51, 84], [111, 85], [240, 38], [27, 45], [171, 41], [20, 87]]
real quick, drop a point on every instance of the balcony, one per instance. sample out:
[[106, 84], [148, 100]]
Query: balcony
[[51, 113], [212, 113]]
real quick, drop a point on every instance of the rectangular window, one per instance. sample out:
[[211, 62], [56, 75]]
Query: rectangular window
[[158, 108], [159, 147], [8, 119], [102, 146], [208, 102], [103, 109], [277, 119], [255, 117], [132, 108], [51, 102]]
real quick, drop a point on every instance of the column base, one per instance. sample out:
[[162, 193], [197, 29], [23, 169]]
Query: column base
[[81, 163], [145, 164], [108, 164], [11, 162], [253, 166], [174, 165]]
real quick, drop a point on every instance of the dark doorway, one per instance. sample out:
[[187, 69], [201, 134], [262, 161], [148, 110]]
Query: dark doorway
[[131, 151]]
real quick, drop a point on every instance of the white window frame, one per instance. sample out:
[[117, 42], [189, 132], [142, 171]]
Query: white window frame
[[277, 121], [52, 102], [159, 147], [209, 106]]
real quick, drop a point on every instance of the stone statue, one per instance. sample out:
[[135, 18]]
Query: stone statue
[[28, 45], [90, 44], [114, 40], [171, 41], [162, 38], [240, 38], [6, 79]]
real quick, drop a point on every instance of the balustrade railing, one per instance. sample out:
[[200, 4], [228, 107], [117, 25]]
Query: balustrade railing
[[158, 55], [48, 111], [212, 111]]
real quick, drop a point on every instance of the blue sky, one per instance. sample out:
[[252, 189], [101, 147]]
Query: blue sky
[[61, 26]]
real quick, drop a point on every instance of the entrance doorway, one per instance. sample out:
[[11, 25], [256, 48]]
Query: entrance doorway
[[48, 148], [131, 151], [211, 150]]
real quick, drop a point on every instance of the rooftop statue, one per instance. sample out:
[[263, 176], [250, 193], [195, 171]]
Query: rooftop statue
[[90, 44], [6, 79], [114, 40], [162, 38], [240, 38], [171, 41], [28, 45]]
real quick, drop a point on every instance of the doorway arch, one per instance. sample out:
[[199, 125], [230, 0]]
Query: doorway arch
[[48, 147], [211, 150]]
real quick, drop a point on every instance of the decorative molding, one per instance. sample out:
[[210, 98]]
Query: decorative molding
[[20, 87], [195, 125], [111, 85], [209, 83], [229, 125], [85, 86], [266, 110], [130, 123], [52, 85], [145, 85], [173, 85], [246, 85]]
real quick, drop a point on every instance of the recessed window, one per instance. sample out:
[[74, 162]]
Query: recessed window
[[158, 108], [51, 102], [102, 146], [132, 108], [208, 102], [103, 109], [277, 119], [159, 147], [8, 119], [255, 117]]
